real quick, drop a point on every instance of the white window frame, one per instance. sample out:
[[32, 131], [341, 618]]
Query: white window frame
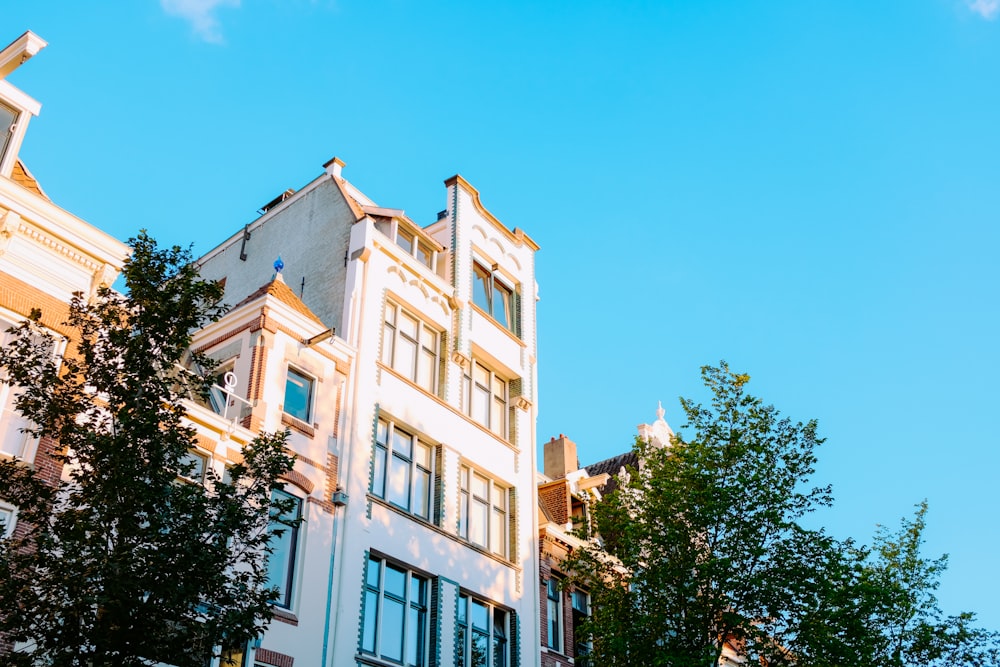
[[480, 381], [390, 462], [310, 398], [496, 531], [415, 603], [425, 361], [499, 631]]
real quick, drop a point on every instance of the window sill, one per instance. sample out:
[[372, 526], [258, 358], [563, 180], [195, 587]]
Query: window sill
[[447, 405], [513, 336], [285, 616], [297, 425], [441, 531]]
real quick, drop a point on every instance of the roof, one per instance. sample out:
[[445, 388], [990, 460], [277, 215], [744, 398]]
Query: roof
[[23, 177], [282, 292], [612, 467]]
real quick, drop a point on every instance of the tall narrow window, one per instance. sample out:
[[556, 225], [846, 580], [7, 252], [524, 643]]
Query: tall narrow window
[[403, 469], [494, 296], [298, 395], [483, 516], [394, 616], [485, 395], [554, 612], [284, 543], [410, 347], [482, 634], [581, 611]]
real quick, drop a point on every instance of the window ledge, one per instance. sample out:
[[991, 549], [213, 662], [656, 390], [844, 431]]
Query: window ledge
[[438, 529], [297, 425], [513, 336], [285, 616], [443, 403]]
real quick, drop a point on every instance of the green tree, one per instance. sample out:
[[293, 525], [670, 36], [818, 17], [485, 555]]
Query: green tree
[[705, 538], [880, 610], [123, 564], [703, 546]]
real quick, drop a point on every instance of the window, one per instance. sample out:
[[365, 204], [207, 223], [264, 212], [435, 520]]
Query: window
[[483, 632], [554, 614], [14, 441], [482, 512], [394, 615], [8, 120], [403, 469], [581, 611], [193, 466], [298, 395], [410, 347], [284, 543], [485, 395], [495, 296], [7, 516]]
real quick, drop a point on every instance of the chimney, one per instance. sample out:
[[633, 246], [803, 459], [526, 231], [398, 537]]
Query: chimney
[[334, 166], [559, 457]]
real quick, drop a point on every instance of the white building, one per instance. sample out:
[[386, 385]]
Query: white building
[[434, 553]]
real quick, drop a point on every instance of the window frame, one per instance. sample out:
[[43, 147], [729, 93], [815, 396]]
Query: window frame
[[291, 535], [392, 337], [7, 527], [310, 397], [466, 630], [205, 461], [495, 417], [497, 519], [385, 456], [371, 635], [490, 287], [554, 637]]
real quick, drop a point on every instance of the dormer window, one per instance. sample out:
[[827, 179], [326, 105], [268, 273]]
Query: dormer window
[[404, 234], [8, 122]]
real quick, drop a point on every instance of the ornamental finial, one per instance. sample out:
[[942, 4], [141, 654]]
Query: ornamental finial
[[278, 265]]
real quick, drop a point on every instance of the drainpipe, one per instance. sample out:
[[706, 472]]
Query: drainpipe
[[347, 449]]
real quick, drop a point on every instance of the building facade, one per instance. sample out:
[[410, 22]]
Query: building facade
[[433, 555], [46, 254]]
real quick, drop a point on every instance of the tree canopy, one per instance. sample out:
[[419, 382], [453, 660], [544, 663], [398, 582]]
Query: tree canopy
[[123, 563], [703, 550]]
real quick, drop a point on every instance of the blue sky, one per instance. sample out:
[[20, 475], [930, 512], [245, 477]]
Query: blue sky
[[808, 190]]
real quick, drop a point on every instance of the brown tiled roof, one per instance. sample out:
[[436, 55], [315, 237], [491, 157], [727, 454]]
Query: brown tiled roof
[[282, 292], [23, 177], [612, 467]]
